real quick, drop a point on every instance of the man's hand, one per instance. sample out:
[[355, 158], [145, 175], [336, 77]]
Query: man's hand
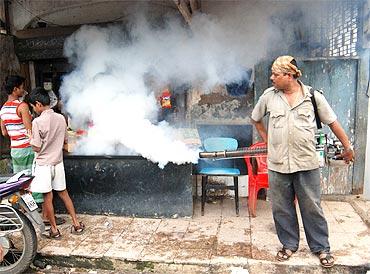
[[28, 133], [261, 130], [348, 155], [36, 149]]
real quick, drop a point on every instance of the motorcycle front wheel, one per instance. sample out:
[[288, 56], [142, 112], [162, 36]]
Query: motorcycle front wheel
[[19, 247]]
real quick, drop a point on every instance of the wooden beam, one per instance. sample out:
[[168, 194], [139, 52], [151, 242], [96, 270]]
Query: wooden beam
[[183, 7]]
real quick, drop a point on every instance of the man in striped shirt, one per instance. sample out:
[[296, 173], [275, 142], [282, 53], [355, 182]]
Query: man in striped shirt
[[15, 119]]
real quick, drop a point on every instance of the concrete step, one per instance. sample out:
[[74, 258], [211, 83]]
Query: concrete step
[[242, 266]]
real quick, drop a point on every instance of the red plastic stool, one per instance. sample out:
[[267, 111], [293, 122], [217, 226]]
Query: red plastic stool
[[257, 176]]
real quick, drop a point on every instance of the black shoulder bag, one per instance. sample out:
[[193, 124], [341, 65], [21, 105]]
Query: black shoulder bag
[[313, 100]]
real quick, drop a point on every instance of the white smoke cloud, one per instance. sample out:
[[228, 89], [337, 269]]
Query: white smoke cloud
[[109, 85]]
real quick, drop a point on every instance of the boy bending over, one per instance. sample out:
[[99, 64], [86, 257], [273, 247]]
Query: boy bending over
[[49, 133]]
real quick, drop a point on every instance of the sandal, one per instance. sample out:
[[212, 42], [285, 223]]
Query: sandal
[[78, 230], [326, 259], [54, 236], [284, 254]]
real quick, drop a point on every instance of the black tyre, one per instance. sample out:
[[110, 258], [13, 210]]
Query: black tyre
[[22, 246]]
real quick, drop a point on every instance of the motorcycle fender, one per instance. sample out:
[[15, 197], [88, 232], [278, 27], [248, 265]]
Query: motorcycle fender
[[34, 216]]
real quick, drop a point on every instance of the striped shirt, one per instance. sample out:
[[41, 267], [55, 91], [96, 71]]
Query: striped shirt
[[14, 124]]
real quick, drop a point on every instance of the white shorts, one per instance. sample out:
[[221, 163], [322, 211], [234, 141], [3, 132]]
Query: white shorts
[[48, 178]]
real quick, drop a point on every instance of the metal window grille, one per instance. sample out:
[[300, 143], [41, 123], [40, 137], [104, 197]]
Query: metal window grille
[[331, 28], [326, 28], [343, 23]]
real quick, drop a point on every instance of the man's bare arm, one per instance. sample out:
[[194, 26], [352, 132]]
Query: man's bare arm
[[24, 113], [348, 153], [4, 132], [261, 130]]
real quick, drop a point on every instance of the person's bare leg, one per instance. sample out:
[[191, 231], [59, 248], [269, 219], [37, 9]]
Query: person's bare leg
[[48, 209], [44, 217], [69, 206], [1, 253]]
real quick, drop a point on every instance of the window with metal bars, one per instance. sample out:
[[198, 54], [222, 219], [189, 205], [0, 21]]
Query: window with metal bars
[[343, 24], [322, 28]]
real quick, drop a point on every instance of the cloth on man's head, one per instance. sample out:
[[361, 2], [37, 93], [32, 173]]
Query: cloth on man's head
[[286, 64]]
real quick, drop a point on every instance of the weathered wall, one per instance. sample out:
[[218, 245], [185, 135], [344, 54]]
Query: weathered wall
[[362, 106], [8, 65], [219, 107]]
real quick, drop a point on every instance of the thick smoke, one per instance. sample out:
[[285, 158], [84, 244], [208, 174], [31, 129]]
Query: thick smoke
[[119, 70]]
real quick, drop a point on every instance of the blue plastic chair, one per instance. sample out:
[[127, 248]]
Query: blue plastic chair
[[219, 144]]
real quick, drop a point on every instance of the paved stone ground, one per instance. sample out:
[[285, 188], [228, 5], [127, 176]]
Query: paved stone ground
[[218, 242]]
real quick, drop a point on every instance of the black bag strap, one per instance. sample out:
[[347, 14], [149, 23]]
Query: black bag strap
[[313, 100]]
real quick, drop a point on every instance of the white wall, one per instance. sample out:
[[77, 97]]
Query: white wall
[[367, 160], [367, 156]]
